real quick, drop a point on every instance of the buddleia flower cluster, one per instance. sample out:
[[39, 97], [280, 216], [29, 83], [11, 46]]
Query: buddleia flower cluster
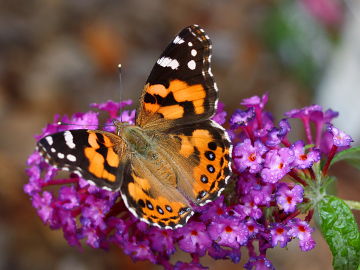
[[275, 182]]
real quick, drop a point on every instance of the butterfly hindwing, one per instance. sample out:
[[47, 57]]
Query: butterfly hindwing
[[152, 200], [95, 155], [205, 152], [180, 88]]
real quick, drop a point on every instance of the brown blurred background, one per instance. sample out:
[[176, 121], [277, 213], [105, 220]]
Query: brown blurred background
[[59, 56]]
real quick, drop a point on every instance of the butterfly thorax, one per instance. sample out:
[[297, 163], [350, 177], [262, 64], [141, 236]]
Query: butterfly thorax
[[136, 140]]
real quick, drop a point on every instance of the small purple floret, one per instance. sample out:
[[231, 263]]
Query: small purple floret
[[287, 198], [277, 164]]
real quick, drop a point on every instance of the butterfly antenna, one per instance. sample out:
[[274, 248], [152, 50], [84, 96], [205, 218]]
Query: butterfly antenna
[[121, 90], [60, 123]]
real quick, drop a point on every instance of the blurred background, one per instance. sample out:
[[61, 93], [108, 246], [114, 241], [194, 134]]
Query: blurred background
[[60, 56]]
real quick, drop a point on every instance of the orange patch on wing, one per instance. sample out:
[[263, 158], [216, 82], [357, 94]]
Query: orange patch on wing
[[172, 111], [96, 163], [183, 92], [187, 147], [107, 141], [112, 158], [108, 176], [93, 140], [142, 182], [199, 106], [157, 89], [151, 107]]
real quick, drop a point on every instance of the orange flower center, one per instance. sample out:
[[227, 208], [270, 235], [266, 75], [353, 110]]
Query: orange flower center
[[228, 229], [289, 199], [252, 157]]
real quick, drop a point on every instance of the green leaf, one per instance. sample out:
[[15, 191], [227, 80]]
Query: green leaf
[[351, 155], [339, 228]]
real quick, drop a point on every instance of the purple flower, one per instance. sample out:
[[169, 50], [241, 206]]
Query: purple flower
[[241, 118], [229, 232], [249, 156], [253, 227], [301, 230], [162, 240], [287, 198], [259, 263], [111, 107], [214, 210], [340, 138], [140, 251], [248, 209], [189, 266], [305, 112], [323, 117], [277, 134], [304, 160], [94, 211], [279, 234], [258, 191], [43, 204], [216, 252], [194, 238], [220, 115], [255, 101], [277, 164], [68, 197]]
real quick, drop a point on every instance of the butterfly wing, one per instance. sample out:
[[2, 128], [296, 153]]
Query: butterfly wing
[[156, 202], [180, 88], [203, 158], [95, 155]]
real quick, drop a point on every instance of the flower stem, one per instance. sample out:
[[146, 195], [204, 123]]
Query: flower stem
[[291, 216], [309, 215], [297, 178], [60, 182], [354, 205], [331, 156], [307, 129]]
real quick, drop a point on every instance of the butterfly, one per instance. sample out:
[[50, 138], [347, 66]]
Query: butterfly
[[174, 157]]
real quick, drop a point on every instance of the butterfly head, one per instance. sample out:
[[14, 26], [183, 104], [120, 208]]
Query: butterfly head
[[120, 126]]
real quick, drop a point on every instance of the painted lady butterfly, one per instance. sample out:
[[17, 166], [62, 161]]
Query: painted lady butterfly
[[175, 157]]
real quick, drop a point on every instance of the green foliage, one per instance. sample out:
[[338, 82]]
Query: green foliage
[[341, 232], [351, 155]]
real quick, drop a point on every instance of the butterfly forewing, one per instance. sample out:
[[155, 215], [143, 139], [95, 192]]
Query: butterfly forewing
[[180, 88], [95, 155]]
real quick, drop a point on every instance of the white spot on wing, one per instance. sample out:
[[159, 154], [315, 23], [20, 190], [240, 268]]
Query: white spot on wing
[[71, 157], [168, 62], [190, 44], [49, 140], [60, 155], [52, 150], [69, 139], [191, 64], [178, 40], [209, 71], [193, 52]]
